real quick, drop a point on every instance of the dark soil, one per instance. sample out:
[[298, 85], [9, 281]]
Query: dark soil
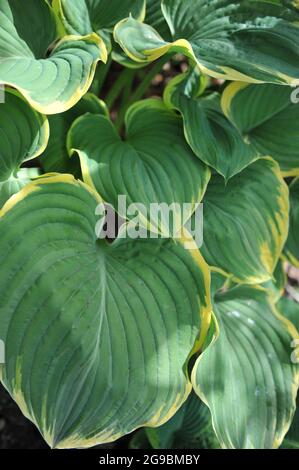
[[16, 432]]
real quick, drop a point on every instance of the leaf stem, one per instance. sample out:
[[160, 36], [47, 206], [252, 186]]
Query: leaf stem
[[100, 76], [124, 102], [141, 89], [144, 85], [118, 86]]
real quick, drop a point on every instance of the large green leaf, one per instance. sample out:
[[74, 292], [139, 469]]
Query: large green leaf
[[248, 40], [291, 249], [290, 309], [56, 158], [24, 135], [267, 119], [246, 375], [153, 165], [82, 17], [97, 335], [51, 77], [246, 222], [210, 134]]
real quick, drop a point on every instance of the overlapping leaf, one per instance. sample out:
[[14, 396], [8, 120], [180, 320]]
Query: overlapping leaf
[[267, 119], [52, 77], [153, 165], [246, 375], [276, 286], [24, 135], [291, 249], [290, 309], [154, 17], [219, 282], [210, 134], [16, 182], [246, 40], [190, 428], [112, 325], [82, 17], [56, 158], [246, 222]]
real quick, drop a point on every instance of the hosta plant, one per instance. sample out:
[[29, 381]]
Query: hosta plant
[[188, 344]]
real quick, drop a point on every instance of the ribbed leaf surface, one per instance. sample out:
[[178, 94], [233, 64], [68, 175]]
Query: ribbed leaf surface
[[97, 335], [246, 375], [52, 79], [248, 40]]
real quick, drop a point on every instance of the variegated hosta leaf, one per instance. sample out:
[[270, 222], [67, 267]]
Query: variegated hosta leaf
[[155, 18], [153, 165], [56, 158], [209, 133], [246, 375], [97, 335], [190, 428], [247, 40], [267, 119], [24, 135], [246, 222], [291, 249], [53, 79], [290, 309], [82, 17]]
